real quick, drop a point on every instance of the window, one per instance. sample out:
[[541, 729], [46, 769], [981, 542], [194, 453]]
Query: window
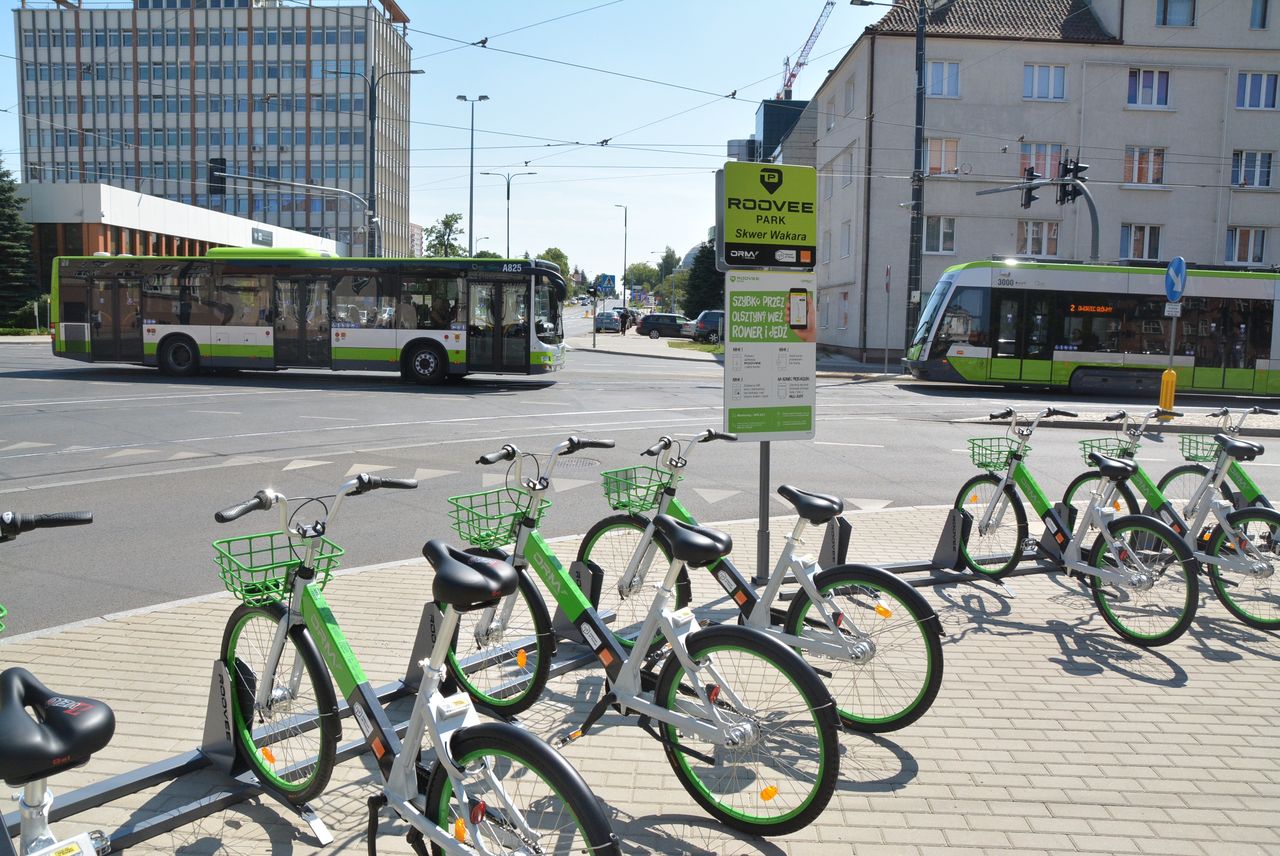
[[849, 94], [826, 184], [1258, 16], [1250, 169], [939, 234], [1256, 90], [831, 113], [1139, 241], [1037, 238], [940, 157], [846, 168], [843, 310], [1176, 13], [1044, 82], [846, 238], [1043, 157], [942, 80], [1148, 87], [1143, 165], [826, 246], [1245, 245]]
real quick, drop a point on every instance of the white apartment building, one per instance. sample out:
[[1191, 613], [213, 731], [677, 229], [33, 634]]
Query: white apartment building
[[140, 94], [1173, 104]]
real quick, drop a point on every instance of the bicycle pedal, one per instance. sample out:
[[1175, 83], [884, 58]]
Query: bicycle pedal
[[101, 842]]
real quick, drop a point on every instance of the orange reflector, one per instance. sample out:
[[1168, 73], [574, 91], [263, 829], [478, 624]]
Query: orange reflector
[[883, 611], [768, 793], [973, 498], [459, 830], [1115, 503], [606, 657], [378, 748], [522, 658], [576, 734], [267, 756], [740, 597]]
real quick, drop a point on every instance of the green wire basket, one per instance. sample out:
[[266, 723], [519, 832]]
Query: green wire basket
[[993, 453], [489, 518], [635, 488], [1198, 447], [255, 568], [3, 613], [1112, 447]]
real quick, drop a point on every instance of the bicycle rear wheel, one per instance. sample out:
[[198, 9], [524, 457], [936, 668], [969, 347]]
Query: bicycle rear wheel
[[502, 655], [290, 742], [1180, 484], [1158, 607], [996, 551], [1254, 598], [895, 684], [512, 772], [609, 545], [781, 773]]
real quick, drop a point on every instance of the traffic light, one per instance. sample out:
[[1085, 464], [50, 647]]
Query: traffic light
[[1064, 172], [1075, 170], [217, 180], [1028, 193]]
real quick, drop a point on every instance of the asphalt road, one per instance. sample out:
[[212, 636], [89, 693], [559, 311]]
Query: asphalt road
[[153, 458]]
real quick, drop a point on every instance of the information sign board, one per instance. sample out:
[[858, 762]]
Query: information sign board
[[767, 216]]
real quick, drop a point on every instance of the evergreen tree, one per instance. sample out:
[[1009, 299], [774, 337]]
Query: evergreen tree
[[705, 287], [17, 275]]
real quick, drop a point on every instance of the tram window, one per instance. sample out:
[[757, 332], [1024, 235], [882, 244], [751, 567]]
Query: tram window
[[964, 322]]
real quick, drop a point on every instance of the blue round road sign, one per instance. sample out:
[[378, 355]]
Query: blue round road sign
[[1175, 279]]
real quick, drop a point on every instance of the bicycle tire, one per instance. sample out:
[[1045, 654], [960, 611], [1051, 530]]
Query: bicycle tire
[[1181, 482], [1172, 550], [767, 676], [993, 546], [609, 545], [506, 685], [1254, 601], [1081, 489], [563, 803], [282, 766], [899, 683]]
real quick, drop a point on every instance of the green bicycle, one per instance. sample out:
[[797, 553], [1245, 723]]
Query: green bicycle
[[873, 638], [1182, 482], [1140, 573], [466, 786], [746, 725], [1237, 546]]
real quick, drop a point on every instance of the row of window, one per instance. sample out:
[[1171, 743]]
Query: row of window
[[113, 172], [204, 37], [201, 137], [1182, 13], [316, 69], [57, 105], [1246, 245]]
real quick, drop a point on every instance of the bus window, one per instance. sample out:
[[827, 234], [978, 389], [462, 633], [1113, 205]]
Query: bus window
[[430, 304], [546, 313], [244, 300], [182, 297], [365, 301], [75, 300], [964, 322]]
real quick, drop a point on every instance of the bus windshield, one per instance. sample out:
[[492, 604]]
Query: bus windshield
[[548, 325]]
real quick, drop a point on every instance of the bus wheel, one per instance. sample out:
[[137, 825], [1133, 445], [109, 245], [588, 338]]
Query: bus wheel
[[426, 364], [179, 356]]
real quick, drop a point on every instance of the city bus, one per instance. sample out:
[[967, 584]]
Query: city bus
[[428, 319], [1098, 328]]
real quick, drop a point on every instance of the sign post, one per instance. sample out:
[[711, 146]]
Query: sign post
[[1175, 283], [887, 271], [766, 242]]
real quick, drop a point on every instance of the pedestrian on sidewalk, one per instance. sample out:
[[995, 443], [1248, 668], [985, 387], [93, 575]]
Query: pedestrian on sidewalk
[[624, 321]]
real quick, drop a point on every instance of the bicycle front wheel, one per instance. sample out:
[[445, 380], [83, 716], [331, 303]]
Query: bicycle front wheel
[[1156, 603], [501, 655], [610, 546], [533, 800], [289, 742], [994, 551], [1251, 595], [898, 668], [780, 770], [1180, 484]]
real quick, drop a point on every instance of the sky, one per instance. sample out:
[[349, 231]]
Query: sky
[[650, 76]]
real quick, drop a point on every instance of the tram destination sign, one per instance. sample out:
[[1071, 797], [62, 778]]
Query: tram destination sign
[[767, 216]]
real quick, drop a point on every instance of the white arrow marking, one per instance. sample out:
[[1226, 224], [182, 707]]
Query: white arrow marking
[[493, 479], [301, 464], [365, 468], [124, 453], [869, 504], [181, 456], [17, 446], [713, 496], [423, 475], [565, 485]]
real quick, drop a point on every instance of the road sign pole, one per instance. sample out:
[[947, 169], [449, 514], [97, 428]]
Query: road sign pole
[[1175, 282], [762, 530], [887, 270]]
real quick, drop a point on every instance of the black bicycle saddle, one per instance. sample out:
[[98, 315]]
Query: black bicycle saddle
[[64, 733], [465, 581]]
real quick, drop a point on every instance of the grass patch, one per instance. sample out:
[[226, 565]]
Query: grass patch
[[22, 331], [705, 347]]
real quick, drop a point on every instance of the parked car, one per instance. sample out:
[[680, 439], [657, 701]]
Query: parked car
[[607, 322], [657, 324], [707, 327]]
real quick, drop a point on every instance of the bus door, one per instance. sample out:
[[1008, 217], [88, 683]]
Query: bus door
[[115, 322], [498, 326], [302, 323], [1023, 350]]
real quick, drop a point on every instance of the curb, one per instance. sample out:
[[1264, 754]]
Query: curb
[[590, 350], [1167, 428]]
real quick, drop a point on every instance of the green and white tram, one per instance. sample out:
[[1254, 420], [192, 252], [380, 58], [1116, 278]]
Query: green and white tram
[[274, 309], [1098, 328]]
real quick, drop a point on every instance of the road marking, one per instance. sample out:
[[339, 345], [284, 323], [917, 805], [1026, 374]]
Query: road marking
[[858, 445], [24, 445], [566, 485], [218, 412], [332, 418], [356, 469], [492, 479], [869, 504], [302, 464], [1153, 460], [124, 453], [185, 455], [713, 496], [425, 474], [141, 398]]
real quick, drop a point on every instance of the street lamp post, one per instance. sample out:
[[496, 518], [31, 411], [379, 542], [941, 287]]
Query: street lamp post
[[373, 246], [623, 278], [915, 251], [508, 176], [471, 173]]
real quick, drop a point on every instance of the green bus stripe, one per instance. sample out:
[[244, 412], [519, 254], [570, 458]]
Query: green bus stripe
[[389, 355]]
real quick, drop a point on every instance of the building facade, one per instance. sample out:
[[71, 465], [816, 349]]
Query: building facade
[[142, 94], [1171, 103]]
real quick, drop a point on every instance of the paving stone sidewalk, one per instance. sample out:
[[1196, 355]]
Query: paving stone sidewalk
[[1050, 735]]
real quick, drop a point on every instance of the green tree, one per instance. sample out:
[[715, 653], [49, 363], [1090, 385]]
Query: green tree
[[17, 276], [555, 254], [442, 240], [487, 254], [705, 286]]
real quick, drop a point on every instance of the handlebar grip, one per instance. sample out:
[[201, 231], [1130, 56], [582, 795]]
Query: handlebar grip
[[1115, 417], [1266, 411], [11, 523], [719, 435], [375, 482], [1002, 414], [579, 443], [235, 512], [1162, 412], [662, 445], [506, 453], [1054, 411], [1220, 412]]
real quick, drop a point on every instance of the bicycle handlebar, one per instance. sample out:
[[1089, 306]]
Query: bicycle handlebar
[[1002, 414], [657, 448], [1160, 411], [1115, 417], [261, 501], [1057, 411], [368, 483], [12, 523], [1265, 411], [1219, 413], [718, 435], [577, 444], [506, 453]]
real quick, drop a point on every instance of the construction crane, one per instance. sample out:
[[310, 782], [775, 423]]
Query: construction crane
[[790, 71]]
